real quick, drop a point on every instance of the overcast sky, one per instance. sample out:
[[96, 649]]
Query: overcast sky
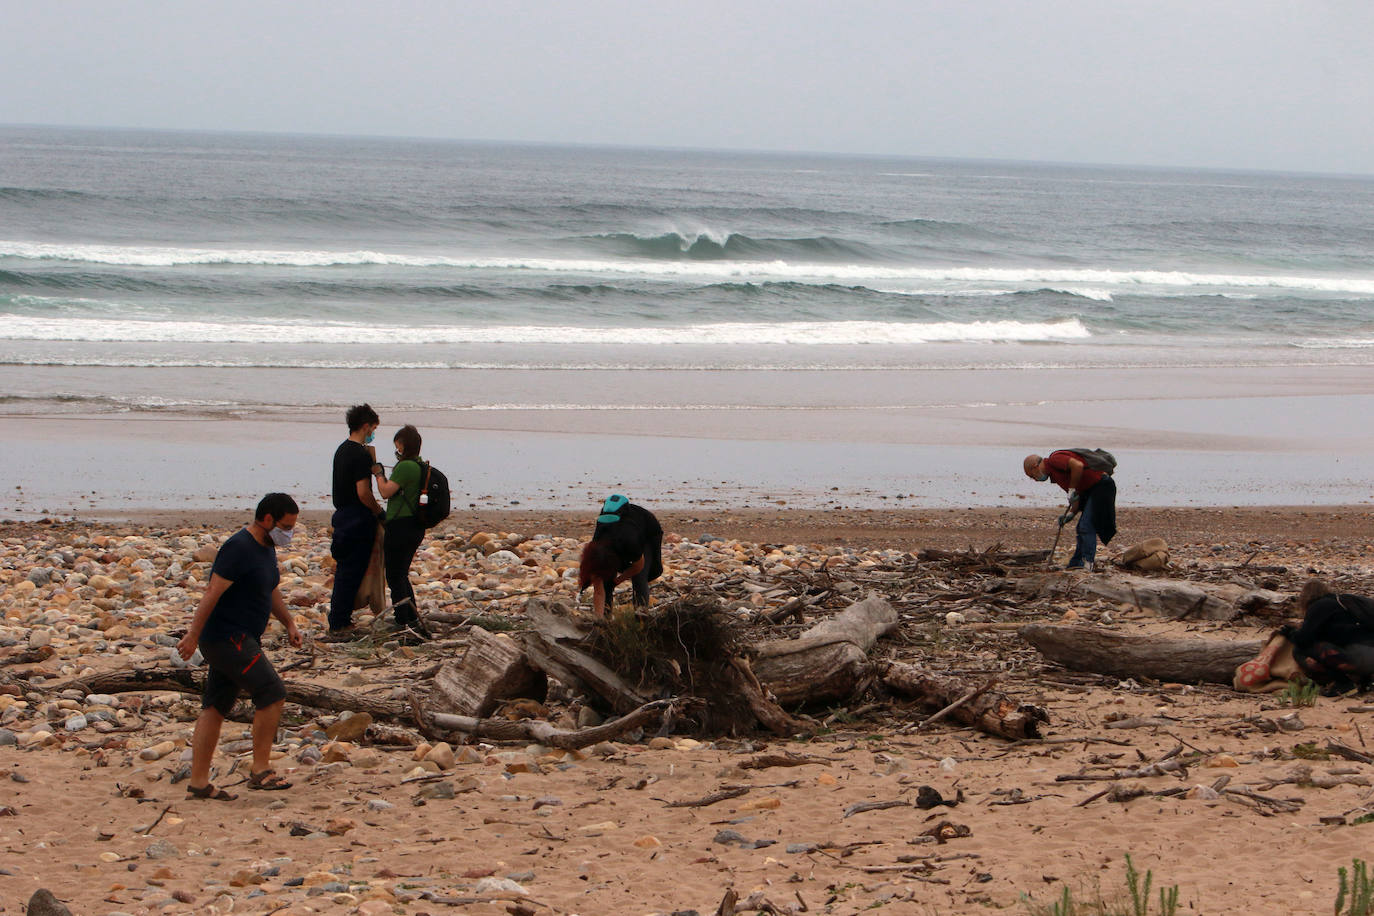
[[1226, 83]]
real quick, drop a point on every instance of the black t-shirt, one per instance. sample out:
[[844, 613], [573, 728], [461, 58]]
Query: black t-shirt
[[352, 463], [631, 536], [246, 605]]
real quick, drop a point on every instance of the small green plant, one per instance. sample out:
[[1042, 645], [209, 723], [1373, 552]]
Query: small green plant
[[1356, 892], [1134, 901], [1300, 692]]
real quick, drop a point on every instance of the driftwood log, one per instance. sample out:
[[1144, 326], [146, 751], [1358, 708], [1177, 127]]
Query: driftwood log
[[1120, 655], [544, 733], [988, 711], [492, 668], [192, 681], [552, 645], [1166, 597], [827, 662]]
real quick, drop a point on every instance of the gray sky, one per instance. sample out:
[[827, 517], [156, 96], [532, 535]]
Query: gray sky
[[1228, 83]]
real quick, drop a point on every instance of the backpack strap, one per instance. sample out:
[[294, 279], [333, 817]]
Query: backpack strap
[[424, 484]]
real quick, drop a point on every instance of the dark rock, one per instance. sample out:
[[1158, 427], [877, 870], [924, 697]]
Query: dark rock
[[43, 903]]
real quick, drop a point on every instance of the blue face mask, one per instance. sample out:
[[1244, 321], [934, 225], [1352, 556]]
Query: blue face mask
[[370, 436], [1042, 477]]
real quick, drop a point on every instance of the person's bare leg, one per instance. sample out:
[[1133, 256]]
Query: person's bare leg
[[203, 744], [265, 722]]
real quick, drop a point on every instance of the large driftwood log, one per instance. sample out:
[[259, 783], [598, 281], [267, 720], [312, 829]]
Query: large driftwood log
[[830, 660], [551, 645], [192, 680], [990, 711], [1121, 655], [544, 733], [1166, 597], [493, 668]]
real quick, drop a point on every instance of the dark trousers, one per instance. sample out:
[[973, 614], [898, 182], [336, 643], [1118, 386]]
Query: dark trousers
[[639, 582], [355, 531], [403, 537], [1097, 519]]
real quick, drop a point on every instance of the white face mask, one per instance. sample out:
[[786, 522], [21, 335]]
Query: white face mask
[[282, 536]]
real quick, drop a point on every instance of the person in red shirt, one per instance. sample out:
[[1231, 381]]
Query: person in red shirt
[[1091, 493]]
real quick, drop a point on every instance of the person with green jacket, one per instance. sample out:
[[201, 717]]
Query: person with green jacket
[[404, 530]]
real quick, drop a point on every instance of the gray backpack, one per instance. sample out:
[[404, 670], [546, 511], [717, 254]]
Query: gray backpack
[[1095, 459]]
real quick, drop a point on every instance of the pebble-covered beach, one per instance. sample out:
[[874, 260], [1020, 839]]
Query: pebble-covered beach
[[379, 820]]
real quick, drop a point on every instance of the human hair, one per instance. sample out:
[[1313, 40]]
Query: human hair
[[598, 563], [1314, 589], [360, 415], [407, 440], [276, 505]]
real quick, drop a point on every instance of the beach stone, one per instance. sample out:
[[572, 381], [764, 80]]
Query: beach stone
[[366, 759], [437, 790], [162, 849], [379, 804], [496, 885], [75, 723], [441, 755], [43, 903], [8, 738], [374, 908], [349, 728], [157, 751]]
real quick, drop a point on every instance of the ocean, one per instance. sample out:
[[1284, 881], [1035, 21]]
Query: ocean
[[214, 275]]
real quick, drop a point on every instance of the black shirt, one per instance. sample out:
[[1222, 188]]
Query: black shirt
[[246, 605], [352, 463], [1337, 619]]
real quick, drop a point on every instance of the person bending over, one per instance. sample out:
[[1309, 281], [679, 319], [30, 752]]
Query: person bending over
[[404, 530], [356, 515], [1334, 646], [227, 627], [1091, 493], [627, 545]]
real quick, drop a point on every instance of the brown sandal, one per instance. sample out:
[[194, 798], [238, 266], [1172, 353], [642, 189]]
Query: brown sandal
[[211, 792], [268, 781]]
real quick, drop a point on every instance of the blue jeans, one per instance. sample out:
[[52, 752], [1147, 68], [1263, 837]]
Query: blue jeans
[[1085, 552]]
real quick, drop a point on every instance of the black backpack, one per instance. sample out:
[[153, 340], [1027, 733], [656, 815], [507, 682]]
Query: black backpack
[[433, 506], [1096, 459]]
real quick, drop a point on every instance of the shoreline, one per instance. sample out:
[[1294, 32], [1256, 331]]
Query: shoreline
[[1300, 529]]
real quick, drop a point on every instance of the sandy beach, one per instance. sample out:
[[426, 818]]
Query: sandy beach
[[368, 828]]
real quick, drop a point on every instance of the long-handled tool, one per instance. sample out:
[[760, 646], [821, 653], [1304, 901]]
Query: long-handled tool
[[1064, 518], [1049, 562]]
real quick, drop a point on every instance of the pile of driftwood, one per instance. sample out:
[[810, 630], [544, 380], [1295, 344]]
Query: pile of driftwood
[[939, 638]]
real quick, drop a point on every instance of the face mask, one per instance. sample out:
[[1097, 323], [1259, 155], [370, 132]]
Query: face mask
[[1042, 476], [370, 436], [282, 536]]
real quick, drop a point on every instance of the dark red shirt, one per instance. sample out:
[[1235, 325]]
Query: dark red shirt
[[1057, 464]]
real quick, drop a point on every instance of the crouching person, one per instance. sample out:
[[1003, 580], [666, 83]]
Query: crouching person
[[1334, 646], [228, 625]]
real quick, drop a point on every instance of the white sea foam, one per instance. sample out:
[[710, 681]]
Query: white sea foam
[[1101, 281], [796, 333]]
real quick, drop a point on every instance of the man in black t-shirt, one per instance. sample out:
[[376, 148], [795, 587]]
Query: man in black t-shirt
[[228, 625], [356, 515]]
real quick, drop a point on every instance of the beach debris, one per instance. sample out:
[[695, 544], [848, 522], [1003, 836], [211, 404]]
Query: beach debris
[[1103, 651], [987, 710]]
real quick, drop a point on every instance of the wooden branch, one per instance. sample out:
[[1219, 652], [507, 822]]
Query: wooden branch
[[829, 661], [1121, 655], [192, 681], [724, 794], [993, 712], [769, 714], [966, 698], [545, 733], [551, 646]]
